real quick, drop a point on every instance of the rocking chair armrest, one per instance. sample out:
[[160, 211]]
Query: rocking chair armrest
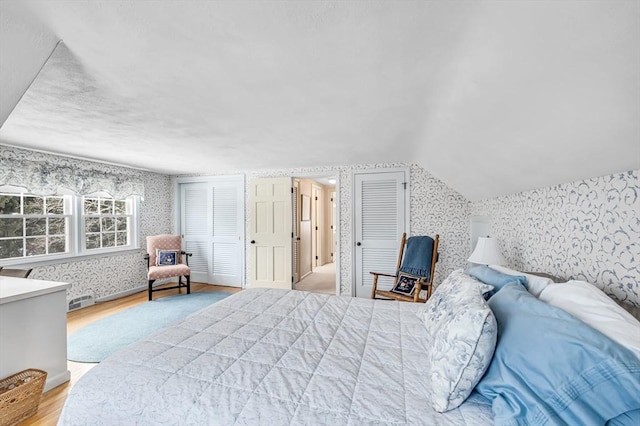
[[374, 286], [382, 274]]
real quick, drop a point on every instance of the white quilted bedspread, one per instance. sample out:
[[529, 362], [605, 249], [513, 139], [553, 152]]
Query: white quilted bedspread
[[272, 357]]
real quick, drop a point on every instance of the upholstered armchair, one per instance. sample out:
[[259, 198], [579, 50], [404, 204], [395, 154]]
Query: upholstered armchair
[[164, 260]]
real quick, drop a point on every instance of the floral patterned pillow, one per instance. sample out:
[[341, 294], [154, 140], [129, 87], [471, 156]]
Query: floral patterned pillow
[[463, 334]]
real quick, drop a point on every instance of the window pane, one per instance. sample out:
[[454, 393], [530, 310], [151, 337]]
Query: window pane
[[121, 207], [57, 244], [36, 246], [90, 205], [55, 205], [11, 248], [93, 241], [121, 238], [36, 227], [9, 204], [11, 227], [122, 223], [108, 224], [106, 206], [57, 225], [108, 239], [92, 224], [33, 205]]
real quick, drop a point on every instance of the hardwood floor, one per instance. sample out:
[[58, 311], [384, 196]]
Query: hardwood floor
[[53, 400]]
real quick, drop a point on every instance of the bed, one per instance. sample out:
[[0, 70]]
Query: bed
[[277, 357], [272, 356]]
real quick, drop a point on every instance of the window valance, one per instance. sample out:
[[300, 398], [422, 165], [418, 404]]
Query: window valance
[[60, 175]]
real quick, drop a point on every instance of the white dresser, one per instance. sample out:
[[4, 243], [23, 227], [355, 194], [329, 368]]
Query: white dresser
[[33, 328]]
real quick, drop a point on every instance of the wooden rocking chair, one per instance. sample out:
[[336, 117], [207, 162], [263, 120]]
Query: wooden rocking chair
[[422, 281]]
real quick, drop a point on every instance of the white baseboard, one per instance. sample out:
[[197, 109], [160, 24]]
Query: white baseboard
[[143, 287], [57, 380], [305, 276]]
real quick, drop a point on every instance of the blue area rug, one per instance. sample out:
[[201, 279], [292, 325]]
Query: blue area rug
[[96, 341]]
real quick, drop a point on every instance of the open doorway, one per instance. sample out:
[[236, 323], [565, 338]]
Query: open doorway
[[314, 251]]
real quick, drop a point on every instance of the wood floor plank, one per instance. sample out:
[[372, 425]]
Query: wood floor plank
[[53, 400]]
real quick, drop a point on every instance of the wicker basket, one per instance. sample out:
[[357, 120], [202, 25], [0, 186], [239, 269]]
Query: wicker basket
[[20, 395]]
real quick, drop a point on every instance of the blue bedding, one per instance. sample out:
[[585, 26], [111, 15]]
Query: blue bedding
[[551, 368]]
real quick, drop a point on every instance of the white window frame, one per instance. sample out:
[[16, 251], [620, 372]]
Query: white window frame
[[132, 227], [76, 235]]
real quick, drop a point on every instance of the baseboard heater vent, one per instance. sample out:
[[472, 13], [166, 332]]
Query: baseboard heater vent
[[81, 302]]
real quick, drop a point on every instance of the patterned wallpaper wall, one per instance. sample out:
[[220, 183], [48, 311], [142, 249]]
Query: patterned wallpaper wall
[[110, 274], [587, 230], [435, 208], [438, 209]]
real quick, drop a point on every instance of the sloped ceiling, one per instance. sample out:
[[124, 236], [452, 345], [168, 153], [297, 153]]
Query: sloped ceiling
[[492, 97]]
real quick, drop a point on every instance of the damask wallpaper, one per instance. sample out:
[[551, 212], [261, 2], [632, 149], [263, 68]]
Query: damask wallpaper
[[435, 209], [587, 230], [110, 274]]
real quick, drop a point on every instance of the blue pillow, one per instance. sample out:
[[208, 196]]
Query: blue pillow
[[550, 367], [630, 418], [494, 278]]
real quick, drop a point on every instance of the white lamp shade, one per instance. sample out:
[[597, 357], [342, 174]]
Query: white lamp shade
[[487, 252]]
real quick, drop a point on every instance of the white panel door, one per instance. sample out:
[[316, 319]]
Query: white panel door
[[271, 233], [194, 213], [381, 204]]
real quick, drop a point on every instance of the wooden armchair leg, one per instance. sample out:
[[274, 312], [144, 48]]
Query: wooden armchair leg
[[374, 287], [188, 284], [150, 289], [416, 293]]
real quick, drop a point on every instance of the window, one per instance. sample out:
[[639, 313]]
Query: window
[[107, 222], [33, 226], [36, 228]]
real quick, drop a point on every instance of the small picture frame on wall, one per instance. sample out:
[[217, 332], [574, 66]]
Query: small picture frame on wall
[[306, 208]]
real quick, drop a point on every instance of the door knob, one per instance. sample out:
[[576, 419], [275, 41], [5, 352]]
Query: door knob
[[358, 243], [253, 241]]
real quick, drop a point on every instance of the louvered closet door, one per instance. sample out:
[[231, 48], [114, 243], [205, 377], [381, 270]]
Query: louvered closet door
[[195, 228], [212, 225], [227, 230], [380, 216]]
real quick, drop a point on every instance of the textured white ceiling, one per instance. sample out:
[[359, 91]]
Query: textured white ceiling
[[492, 97]]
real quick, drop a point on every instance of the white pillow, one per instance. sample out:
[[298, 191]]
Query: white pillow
[[590, 305], [463, 334], [535, 284]]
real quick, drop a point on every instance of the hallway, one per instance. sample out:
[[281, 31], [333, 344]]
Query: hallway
[[321, 280]]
